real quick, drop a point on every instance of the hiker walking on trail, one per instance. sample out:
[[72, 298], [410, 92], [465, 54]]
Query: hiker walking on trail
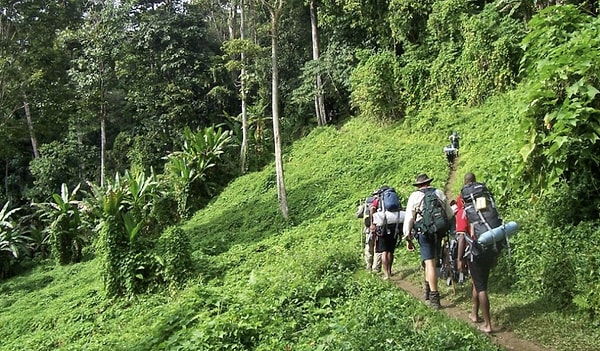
[[454, 137], [462, 229], [386, 220], [428, 218], [451, 153], [479, 260], [372, 258]]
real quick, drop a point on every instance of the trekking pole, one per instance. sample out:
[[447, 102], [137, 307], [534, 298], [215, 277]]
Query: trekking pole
[[362, 236]]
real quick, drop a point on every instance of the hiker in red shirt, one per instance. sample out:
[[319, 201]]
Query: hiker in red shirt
[[462, 228]]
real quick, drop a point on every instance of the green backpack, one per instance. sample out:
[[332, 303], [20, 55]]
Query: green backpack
[[434, 220]]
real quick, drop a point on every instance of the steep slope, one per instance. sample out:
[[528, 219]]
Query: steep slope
[[266, 284], [262, 283]]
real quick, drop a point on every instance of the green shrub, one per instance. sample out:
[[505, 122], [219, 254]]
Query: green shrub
[[62, 162], [174, 252], [375, 92], [14, 242], [65, 226]]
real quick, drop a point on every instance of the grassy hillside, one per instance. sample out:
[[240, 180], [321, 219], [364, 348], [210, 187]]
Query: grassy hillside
[[266, 284]]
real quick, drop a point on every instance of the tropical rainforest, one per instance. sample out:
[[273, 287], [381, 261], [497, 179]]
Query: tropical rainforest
[[184, 174]]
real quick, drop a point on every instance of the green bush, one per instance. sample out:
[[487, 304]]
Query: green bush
[[65, 226], [174, 252], [375, 90], [62, 162]]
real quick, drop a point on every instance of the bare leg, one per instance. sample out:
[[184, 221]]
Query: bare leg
[[387, 259], [431, 274], [474, 316], [484, 303]]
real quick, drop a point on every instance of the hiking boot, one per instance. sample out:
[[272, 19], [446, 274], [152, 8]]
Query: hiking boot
[[427, 291], [434, 300]]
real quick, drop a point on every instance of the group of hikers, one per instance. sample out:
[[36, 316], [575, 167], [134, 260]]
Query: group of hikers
[[430, 219]]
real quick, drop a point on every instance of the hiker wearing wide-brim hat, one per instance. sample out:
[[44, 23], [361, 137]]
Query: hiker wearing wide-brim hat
[[430, 244], [422, 179]]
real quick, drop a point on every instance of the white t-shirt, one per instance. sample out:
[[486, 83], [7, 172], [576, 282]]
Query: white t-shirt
[[415, 204]]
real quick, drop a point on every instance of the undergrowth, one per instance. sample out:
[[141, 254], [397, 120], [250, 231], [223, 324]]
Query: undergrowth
[[267, 284]]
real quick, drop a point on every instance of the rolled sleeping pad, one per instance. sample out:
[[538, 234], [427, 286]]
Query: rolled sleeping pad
[[391, 217], [498, 233], [448, 149]]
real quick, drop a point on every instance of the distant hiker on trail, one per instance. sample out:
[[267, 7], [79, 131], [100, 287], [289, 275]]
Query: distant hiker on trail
[[451, 153], [429, 216], [479, 260], [386, 219], [372, 258], [454, 137]]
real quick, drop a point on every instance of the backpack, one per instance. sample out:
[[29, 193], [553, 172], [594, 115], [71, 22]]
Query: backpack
[[480, 208], [365, 210], [389, 199], [434, 220], [482, 214]]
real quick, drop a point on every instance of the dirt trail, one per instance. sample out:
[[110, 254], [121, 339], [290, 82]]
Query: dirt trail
[[500, 336]]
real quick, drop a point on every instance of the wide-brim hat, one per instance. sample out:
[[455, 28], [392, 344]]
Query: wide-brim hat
[[422, 179]]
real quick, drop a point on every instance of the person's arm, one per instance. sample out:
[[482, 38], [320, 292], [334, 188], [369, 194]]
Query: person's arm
[[409, 218], [373, 208]]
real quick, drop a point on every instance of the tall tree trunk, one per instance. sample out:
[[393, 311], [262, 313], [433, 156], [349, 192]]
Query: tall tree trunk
[[34, 144], [319, 100], [231, 19], [102, 141], [244, 148], [281, 194]]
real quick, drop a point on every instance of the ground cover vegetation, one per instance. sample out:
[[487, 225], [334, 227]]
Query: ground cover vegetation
[[127, 224]]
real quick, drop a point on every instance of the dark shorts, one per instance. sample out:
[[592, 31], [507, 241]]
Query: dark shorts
[[480, 268], [386, 242], [429, 247]]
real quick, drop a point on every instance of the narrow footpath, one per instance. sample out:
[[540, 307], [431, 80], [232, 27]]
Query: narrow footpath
[[501, 337]]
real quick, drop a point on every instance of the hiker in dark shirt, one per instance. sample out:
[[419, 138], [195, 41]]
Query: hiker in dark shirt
[[480, 266], [385, 231], [454, 137], [451, 153]]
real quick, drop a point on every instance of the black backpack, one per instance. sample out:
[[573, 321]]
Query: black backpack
[[482, 214], [480, 208], [434, 221]]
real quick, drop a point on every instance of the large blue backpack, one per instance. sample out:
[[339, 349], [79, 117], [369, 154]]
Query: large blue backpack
[[389, 199]]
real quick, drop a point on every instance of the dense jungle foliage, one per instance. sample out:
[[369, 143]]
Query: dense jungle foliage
[[132, 220]]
